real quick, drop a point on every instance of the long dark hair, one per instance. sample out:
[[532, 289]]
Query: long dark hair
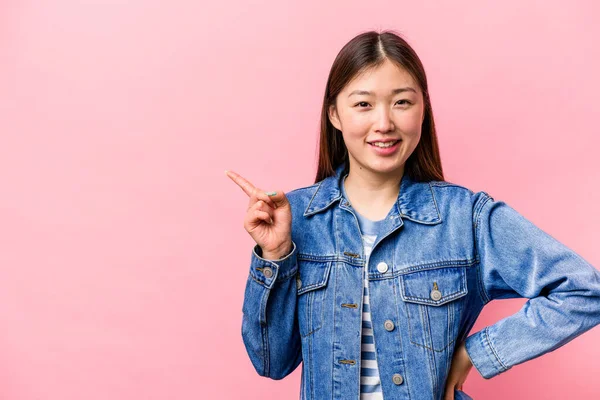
[[367, 50]]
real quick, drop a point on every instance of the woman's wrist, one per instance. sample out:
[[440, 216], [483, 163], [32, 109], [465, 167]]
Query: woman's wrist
[[276, 255]]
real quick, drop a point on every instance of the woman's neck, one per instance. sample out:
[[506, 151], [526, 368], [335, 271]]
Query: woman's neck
[[372, 195]]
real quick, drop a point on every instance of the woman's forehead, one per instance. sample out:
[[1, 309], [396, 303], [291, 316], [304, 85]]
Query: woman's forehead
[[381, 80]]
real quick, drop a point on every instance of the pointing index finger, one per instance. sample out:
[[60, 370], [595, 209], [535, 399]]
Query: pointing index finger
[[246, 186]]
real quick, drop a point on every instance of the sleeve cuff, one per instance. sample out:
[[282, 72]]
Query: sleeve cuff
[[266, 272], [483, 355]]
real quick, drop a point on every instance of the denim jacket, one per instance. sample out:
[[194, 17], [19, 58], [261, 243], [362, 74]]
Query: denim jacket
[[445, 253]]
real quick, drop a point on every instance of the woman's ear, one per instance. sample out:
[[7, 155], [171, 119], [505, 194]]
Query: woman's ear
[[334, 117]]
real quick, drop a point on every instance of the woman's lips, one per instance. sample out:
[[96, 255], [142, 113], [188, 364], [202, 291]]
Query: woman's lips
[[384, 151]]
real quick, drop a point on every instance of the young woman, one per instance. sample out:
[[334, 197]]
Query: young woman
[[374, 275]]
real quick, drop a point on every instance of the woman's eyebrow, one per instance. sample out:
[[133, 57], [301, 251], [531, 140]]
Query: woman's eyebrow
[[395, 91]]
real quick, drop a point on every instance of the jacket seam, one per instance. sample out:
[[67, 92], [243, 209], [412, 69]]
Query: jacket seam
[[266, 356], [489, 343], [437, 209], [485, 295], [424, 267]]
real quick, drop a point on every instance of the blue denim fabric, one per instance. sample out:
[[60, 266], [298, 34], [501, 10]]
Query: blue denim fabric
[[449, 252]]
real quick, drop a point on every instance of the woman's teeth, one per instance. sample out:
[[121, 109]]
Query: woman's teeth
[[381, 144]]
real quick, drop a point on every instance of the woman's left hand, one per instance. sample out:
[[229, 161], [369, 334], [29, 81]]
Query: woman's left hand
[[459, 370]]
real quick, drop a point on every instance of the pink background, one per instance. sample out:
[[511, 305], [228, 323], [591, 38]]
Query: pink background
[[123, 255]]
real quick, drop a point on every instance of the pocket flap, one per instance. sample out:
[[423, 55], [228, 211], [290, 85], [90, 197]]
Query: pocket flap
[[434, 286], [312, 275]]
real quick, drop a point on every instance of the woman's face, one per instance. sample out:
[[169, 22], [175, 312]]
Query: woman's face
[[380, 104]]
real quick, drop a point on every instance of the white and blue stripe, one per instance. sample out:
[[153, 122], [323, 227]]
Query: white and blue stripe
[[370, 382]]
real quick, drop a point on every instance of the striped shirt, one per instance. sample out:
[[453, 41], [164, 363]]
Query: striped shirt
[[370, 383]]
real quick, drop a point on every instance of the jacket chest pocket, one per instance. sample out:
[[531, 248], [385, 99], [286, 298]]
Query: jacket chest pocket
[[434, 301], [311, 283]]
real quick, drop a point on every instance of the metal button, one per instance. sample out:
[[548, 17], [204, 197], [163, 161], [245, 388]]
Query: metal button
[[388, 325], [436, 294], [397, 379], [298, 283], [382, 267], [267, 272]]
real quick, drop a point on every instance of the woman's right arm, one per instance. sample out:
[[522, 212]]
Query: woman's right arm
[[269, 324]]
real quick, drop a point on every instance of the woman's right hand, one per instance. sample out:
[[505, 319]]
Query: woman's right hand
[[268, 219]]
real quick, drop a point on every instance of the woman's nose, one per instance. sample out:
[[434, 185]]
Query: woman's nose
[[384, 120]]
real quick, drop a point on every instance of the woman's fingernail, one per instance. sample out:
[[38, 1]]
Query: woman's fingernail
[[271, 193]]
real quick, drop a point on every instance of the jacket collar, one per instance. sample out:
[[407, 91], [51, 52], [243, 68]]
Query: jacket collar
[[416, 200]]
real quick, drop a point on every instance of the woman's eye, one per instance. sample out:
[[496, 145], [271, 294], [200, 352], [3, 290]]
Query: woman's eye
[[363, 104]]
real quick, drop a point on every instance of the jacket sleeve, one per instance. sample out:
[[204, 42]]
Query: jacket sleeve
[[269, 324], [518, 259]]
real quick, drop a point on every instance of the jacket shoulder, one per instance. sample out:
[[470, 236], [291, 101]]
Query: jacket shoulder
[[454, 194], [455, 189]]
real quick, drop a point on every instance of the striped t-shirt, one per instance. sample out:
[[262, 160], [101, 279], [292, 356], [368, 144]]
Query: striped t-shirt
[[370, 383]]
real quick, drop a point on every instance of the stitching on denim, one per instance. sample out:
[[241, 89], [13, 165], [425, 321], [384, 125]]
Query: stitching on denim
[[441, 263], [430, 355], [486, 296], [309, 295], [411, 331], [307, 288], [480, 284], [266, 364], [426, 325], [447, 299], [448, 184], [398, 333], [431, 348], [489, 344], [303, 187], [442, 183], [334, 332], [263, 307], [425, 267], [452, 296], [310, 368], [436, 205], [310, 315], [308, 213], [302, 306], [353, 261], [431, 265]]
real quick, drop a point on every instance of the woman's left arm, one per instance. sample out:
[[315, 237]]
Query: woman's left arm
[[518, 259]]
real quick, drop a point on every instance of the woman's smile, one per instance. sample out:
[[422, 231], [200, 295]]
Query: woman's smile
[[384, 149]]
